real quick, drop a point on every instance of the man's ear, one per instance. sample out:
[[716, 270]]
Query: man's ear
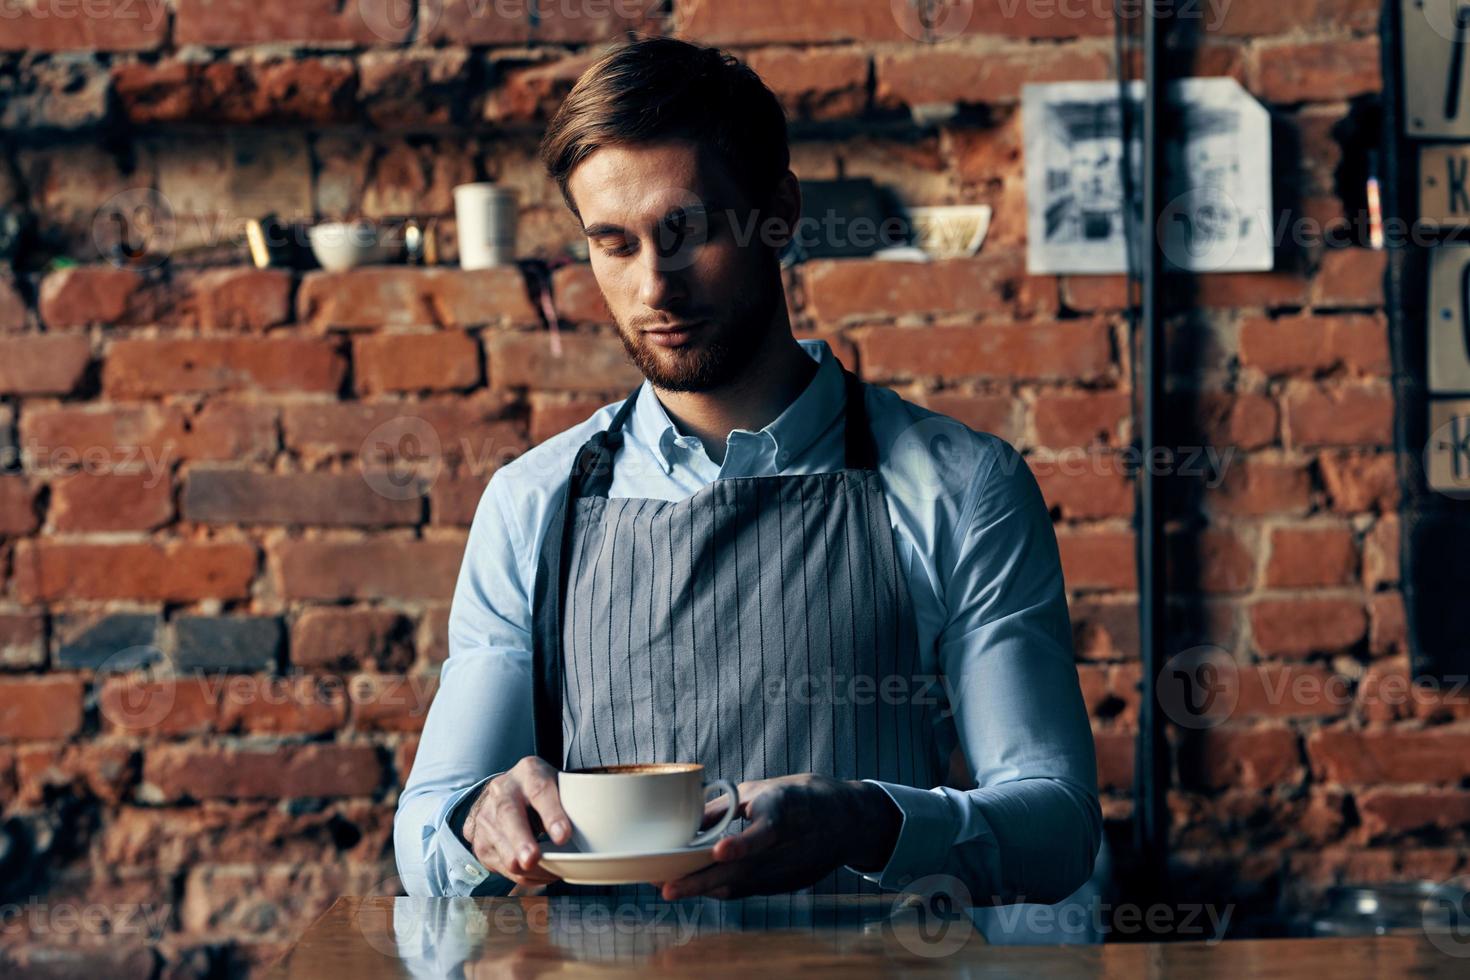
[[783, 210]]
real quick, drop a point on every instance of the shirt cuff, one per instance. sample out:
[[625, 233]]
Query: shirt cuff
[[924, 838], [464, 873]]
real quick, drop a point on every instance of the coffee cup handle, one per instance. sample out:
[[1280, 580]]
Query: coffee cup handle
[[705, 837]]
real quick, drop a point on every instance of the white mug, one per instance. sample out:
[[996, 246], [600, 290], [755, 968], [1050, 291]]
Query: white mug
[[637, 809], [485, 224]]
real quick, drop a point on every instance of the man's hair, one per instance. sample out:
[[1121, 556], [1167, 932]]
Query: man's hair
[[656, 88]]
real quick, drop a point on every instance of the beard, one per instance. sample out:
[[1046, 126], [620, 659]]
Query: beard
[[721, 351]]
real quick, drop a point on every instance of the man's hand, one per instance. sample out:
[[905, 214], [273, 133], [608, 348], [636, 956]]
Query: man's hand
[[502, 824], [801, 827]]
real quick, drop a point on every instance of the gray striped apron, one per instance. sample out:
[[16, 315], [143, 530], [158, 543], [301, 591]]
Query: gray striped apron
[[761, 627]]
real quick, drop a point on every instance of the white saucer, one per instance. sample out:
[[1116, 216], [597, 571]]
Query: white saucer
[[578, 868]]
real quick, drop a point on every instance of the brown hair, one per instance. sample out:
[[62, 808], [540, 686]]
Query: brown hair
[[654, 88]]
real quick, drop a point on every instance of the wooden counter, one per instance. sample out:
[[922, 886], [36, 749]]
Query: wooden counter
[[769, 938]]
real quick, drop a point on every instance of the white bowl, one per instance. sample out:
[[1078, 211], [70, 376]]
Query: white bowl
[[341, 245]]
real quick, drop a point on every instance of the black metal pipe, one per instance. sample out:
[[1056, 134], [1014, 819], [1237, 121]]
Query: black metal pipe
[[1151, 770]]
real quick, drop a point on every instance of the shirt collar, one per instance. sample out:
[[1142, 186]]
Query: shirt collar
[[795, 429]]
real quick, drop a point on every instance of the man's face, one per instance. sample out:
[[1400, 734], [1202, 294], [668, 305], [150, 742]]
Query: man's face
[[680, 261]]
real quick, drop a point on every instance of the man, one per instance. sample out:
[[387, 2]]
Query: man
[[756, 562]]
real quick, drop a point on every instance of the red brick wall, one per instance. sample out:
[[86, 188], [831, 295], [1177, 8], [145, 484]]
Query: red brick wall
[[190, 474]]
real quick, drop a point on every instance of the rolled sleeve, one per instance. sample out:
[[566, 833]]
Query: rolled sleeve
[[924, 837]]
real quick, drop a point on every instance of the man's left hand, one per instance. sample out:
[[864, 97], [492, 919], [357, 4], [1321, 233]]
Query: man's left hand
[[800, 828]]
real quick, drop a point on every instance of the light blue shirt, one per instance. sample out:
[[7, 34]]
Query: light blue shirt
[[982, 569]]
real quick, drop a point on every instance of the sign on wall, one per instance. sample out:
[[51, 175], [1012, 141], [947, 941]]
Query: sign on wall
[[1449, 320], [1436, 46]]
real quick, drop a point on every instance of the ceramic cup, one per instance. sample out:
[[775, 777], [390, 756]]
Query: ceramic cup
[[636, 809], [485, 223]]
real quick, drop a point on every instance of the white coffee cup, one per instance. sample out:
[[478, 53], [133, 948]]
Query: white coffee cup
[[485, 223], [637, 809]]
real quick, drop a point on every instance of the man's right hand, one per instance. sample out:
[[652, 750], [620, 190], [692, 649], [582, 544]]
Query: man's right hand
[[502, 824]]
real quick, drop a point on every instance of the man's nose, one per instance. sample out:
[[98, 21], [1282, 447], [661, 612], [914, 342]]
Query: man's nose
[[661, 279]]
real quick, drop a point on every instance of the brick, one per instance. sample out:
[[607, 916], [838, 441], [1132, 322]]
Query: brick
[[299, 89], [1355, 344], [578, 297], [106, 770], [391, 703], [22, 640], [1248, 290], [404, 756], [362, 299], [588, 362], [40, 707], [839, 290], [111, 641], [43, 364], [1387, 692], [1299, 627], [156, 436], [1359, 482], [1243, 420], [1308, 556], [1097, 559], [235, 23], [1243, 20], [1397, 755], [1394, 811], [1350, 277], [1291, 690], [1213, 560], [399, 88], [471, 428], [534, 92], [171, 838], [141, 368], [158, 706], [1254, 487], [87, 294], [817, 83], [1089, 488], [1110, 691], [1104, 629], [415, 362], [351, 639], [1339, 415], [226, 495], [111, 502], [302, 705], [209, 772], [1095, 294], [1065, 350], [768, 21], [181, 570], [375, 569], [472, 22], [1315, 71], [240, 643], [100, 25], [1065, 420], [1000, 415], [246, 899], [18, 504], [553, 412], [912, 76], [454, 499], [243, 299], [1250, 758]]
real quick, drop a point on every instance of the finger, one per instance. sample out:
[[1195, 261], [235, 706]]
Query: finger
[[715, 809], [760, 836], [545, 799], [506, 814], [705, 881]]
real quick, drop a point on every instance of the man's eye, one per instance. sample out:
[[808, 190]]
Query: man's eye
[[618, 248]]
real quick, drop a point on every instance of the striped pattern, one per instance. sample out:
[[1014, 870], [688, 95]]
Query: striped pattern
[[751, 627]]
